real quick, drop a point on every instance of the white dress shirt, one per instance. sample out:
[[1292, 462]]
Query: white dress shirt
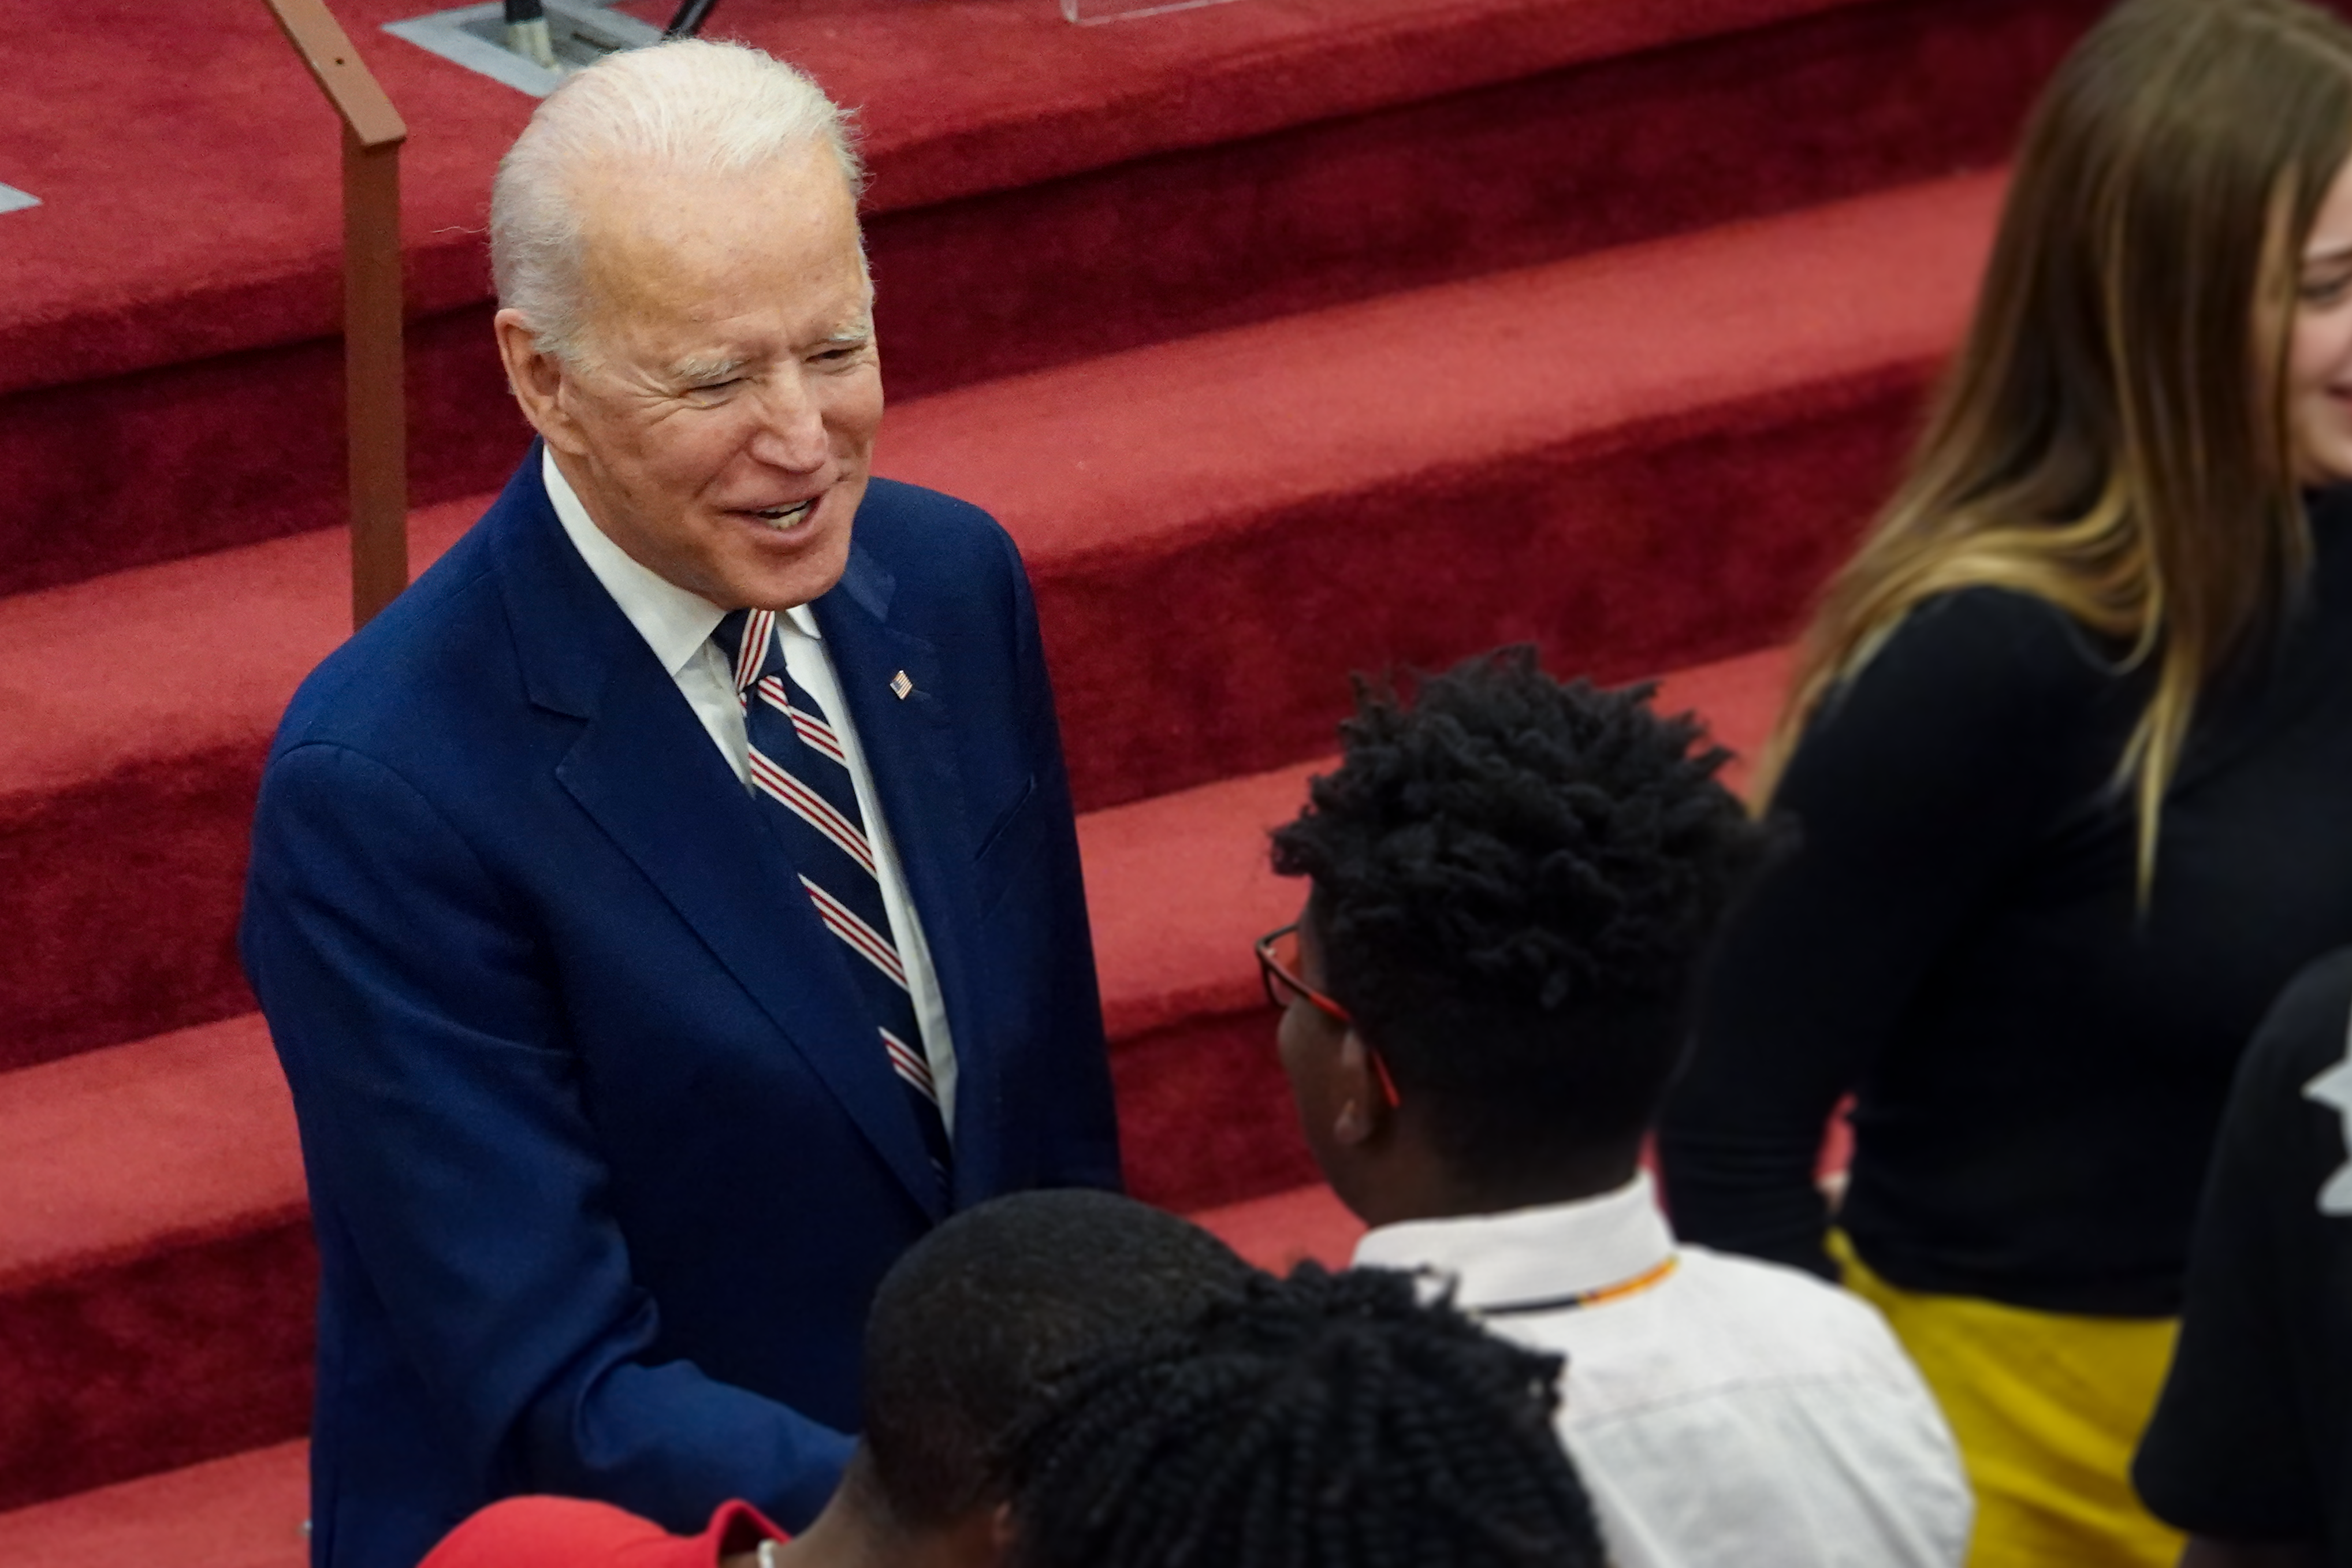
[[677, 625], [1732, 1415]]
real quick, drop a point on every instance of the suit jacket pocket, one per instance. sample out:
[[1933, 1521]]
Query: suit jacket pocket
[[1013, 842]]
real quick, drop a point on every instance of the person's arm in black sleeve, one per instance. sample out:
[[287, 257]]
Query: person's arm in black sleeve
[[442, 1117], [1913, 793], [2226, 1455]]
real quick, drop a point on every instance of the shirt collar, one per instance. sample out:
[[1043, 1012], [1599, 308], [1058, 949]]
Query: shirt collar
[[1533, 1254], [675, 622]]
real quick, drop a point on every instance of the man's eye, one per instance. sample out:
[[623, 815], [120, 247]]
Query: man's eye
[[2325, 290], [708, 387]]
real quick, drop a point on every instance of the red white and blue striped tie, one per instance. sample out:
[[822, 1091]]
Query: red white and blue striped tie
[[800, 773]]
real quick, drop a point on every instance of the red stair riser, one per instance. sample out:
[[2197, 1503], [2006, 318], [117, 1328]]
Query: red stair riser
[[1204, 1112], [124, 893], [247, 446], [179, 1356], [1810, 110], [1230, 655], [174, 462]]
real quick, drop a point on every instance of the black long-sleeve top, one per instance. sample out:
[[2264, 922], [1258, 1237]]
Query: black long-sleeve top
[[2039, 1065]]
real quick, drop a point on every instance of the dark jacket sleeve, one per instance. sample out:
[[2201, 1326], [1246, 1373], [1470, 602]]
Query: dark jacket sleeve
[[1916, 790], [442, 1115], [2234, 1450]]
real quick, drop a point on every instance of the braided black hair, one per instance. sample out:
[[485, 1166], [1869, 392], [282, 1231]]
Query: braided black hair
[[1322, 1421], [1515, 881]]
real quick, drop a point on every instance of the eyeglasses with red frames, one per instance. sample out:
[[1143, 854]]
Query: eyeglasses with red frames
[[1277, 966]]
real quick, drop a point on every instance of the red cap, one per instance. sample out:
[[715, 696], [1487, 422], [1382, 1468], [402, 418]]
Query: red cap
[[568, 1533]]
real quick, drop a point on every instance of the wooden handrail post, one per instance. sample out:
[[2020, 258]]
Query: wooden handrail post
[[375, 402]]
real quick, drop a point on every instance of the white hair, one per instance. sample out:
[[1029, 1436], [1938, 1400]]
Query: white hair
[[688, 104]]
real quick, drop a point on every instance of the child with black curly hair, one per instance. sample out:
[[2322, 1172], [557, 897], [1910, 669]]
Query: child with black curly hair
[[1514, 882]]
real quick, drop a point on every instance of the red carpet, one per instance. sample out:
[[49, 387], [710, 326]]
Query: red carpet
[[244, 1512], [1219, 522], [1289, 337], [1042, 193]]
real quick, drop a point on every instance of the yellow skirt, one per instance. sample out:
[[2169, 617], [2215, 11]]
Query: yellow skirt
[[2047, 1409]]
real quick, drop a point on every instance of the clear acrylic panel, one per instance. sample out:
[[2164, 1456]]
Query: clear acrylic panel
[[1087, 13]]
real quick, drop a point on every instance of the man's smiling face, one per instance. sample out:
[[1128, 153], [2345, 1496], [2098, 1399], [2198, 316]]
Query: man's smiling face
[[720, 424]]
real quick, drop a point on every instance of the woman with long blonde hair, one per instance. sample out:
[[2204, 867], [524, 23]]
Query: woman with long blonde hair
[[2068, 758]]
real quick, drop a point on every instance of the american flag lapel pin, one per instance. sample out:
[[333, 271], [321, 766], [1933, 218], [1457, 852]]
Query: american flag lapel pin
[[900, 685]]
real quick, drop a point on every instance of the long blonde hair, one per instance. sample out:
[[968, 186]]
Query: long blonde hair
[[2113, 436]]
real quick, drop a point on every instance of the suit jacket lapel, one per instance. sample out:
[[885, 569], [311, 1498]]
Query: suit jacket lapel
[[909, 746], [645, 771]]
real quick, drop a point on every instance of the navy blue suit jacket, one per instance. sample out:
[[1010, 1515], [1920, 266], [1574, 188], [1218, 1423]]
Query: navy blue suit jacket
[[604, 1160]]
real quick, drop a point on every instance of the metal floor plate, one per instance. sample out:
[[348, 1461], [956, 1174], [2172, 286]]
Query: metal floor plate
[[475, 36]]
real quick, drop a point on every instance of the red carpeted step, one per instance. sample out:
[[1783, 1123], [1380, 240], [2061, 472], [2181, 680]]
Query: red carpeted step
[[1639, 459], [1042, 193], [243, 1512], [1284, 1228], [156, 1272]]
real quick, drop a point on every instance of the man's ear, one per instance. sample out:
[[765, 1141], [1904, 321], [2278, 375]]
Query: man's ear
[[1363, 1109], [536, 379]]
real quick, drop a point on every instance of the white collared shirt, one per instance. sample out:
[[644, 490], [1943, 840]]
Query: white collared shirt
[[1733, 1415], [677, 625]]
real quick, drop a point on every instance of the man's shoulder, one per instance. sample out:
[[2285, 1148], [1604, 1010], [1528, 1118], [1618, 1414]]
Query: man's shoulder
[[896, 498], [941, 569], [929, 533], [437, 644]]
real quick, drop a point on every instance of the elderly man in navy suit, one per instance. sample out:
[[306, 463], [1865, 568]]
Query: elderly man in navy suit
[[669, 908]]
